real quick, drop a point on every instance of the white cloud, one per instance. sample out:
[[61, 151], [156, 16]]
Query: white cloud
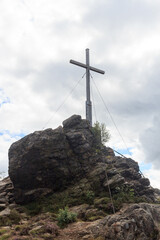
[[5, 141], [154, 177]]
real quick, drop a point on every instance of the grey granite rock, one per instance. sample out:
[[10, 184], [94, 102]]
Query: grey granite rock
[[52, 160]]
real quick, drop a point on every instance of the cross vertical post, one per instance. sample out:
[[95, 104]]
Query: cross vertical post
[[88, 68], [88, 101]]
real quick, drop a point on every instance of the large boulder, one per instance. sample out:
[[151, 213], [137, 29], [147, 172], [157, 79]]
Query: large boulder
[[53, 160]]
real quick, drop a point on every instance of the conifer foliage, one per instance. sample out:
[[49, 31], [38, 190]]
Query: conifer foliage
[[102, 135]]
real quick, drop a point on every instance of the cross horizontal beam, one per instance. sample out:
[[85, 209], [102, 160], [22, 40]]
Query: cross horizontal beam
[[85, 66], [88, 68]]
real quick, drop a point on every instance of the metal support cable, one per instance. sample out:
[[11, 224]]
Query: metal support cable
[[111, 117], [126, 157], [110, 194], [119, 153], [65, 99]]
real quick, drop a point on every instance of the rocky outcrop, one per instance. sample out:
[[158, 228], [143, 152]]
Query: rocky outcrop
[[136, 221], [6, 192], [110, 196], [6, 197], [53, 160]]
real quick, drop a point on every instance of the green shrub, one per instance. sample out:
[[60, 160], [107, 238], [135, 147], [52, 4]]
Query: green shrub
[[126, 195], [65, 217], [89, 197], [101, 134]]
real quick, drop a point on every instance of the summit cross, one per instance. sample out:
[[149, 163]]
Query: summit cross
[[88, 68]]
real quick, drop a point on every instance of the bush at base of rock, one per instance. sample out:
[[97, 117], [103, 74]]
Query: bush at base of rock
[[65, 217], [89, 197]]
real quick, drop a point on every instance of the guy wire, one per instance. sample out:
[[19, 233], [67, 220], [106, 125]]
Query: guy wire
[[63, 102]]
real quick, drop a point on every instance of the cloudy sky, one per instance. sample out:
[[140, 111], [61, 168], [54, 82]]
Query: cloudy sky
[[37, 40]]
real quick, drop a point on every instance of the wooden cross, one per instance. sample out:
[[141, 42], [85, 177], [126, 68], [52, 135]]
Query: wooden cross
[[88, 68]]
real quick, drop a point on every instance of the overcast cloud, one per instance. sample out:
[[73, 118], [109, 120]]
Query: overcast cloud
[[37, 40]]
